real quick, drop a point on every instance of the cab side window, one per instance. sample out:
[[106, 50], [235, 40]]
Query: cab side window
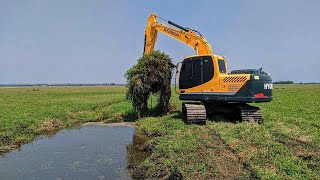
[[208, 69], [222, 66], [196, 73]]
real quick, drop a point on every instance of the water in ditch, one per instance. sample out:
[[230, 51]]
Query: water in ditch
[[88, 152]]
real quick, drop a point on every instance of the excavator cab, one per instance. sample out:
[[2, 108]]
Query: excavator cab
[[205, 78], [201, 73]]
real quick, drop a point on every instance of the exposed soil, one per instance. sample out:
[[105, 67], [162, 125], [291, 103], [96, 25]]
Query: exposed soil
[[227, 163], [136, 153]]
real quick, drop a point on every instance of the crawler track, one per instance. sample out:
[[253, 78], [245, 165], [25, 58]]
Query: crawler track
[[194, 113], [250, 113]]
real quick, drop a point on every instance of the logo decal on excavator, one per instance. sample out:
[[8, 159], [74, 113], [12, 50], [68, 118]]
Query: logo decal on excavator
[[268, 86], [171, 32]]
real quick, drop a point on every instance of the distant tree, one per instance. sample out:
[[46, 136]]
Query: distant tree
[[283, 82]]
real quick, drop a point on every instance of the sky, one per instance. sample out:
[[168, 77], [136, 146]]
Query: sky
[[96, 41]]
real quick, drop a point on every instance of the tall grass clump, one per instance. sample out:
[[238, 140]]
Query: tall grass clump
[[152, 74]]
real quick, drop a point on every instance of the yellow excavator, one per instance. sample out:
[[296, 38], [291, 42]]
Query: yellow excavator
[[204, 80]]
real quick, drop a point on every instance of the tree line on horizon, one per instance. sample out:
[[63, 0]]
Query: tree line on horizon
[[67, 84]]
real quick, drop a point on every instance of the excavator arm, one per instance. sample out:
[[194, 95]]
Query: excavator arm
[[184, 35]]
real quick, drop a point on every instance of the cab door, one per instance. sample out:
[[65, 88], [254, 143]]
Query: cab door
[[210, 80], [191, 75]]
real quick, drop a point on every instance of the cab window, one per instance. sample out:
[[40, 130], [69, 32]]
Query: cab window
[[222, 66], [208, 69], [196, 71], [191, 73]]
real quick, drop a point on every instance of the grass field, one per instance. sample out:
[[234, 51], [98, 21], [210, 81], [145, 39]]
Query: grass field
[[285, 146], [28, 112]]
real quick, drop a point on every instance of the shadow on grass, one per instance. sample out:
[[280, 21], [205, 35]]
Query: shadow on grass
[[132, 116], [222, 117], [177, 115]]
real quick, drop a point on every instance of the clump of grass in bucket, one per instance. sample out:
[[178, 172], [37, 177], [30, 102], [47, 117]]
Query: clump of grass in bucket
[[152, 74]]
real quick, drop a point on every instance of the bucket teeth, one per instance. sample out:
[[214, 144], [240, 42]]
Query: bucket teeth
[[194, 113]]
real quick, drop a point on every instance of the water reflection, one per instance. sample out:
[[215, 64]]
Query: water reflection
[[135, 152]]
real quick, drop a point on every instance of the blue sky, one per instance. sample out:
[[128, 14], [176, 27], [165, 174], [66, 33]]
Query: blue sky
[[78, 41]]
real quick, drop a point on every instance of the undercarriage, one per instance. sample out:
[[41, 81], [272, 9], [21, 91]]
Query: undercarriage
[[197, 112]]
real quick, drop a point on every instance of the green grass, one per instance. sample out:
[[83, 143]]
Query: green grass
[[27, 112], [285, 146]]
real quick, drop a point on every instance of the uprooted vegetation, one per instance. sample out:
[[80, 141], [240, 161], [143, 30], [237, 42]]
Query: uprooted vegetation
[[152, 74]]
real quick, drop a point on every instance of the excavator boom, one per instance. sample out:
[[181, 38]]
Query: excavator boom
[[182, 34]]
